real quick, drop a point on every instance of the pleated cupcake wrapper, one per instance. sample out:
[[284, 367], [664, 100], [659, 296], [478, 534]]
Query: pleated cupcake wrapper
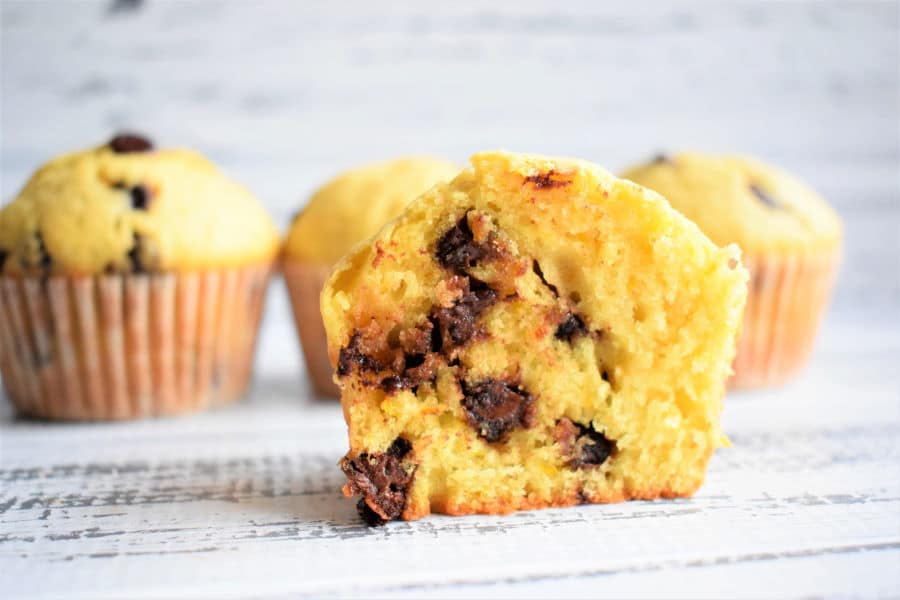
[[786, 302], [304, 282], [128, 346]]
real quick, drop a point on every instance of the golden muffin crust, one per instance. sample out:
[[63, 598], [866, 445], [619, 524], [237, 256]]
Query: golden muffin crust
[[355, 204], [127, 207], [741, 200], [534, 333]]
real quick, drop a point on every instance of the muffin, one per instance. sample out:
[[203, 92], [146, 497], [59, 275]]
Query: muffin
[[534, 333], [346, 210], [132, 284], [791, 243]]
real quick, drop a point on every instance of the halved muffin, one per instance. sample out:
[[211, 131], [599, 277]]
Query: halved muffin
[[534, 333]]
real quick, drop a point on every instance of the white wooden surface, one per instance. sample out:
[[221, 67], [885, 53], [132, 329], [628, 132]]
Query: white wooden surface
[[244, 502]]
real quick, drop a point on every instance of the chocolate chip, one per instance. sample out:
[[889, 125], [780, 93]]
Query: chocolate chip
[[571, 327], [582, 444], [437, 340], [457, 324], [494, 408], [140, 197], [764, 197], [382, 479], [3, 256], [398, 362], [458, 250], [352, 355], [537, 271], [400, 447], [592, 448], [395, 383], [417, 369], [126, 143], [411, 361], [547, 180], [662, 159]]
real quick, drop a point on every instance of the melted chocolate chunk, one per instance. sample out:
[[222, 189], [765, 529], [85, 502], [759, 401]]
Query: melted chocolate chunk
[[457, 249], [764, 197], [382, 480], [494, 408], [412, 361], [399, 366], [395, 383], [417, 341], [126, 143], [536, 267], [352, 355], [437, 340], [572, 326], [369, 516], [547, 180], [456, 325], [583, 445], [3, 256]]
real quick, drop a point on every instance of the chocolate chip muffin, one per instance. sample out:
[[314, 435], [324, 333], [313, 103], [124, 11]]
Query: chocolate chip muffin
[[791, 241], [534, 333], [132, 284], [346, 210]]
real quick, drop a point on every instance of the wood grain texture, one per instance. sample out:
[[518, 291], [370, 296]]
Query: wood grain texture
[[244, 502]]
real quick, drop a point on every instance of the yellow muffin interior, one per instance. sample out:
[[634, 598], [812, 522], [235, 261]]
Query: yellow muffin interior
[[741, 200], [103, 211], [354, 205], [609, 316]]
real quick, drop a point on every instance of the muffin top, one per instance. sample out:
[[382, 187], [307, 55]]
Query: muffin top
[[126, 207], [742, 200], [354, 205]]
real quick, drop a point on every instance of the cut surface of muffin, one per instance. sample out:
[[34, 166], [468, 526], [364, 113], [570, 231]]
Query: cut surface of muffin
[[534, 333]]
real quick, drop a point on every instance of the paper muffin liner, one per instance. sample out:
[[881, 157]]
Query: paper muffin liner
[[786, 302], [113, 347], [305, 281]]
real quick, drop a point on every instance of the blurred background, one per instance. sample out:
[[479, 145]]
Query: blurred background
[[283, 95]]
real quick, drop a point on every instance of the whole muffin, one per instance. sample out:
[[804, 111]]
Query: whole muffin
[[132, 284], [348, 209], [791, 241]]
